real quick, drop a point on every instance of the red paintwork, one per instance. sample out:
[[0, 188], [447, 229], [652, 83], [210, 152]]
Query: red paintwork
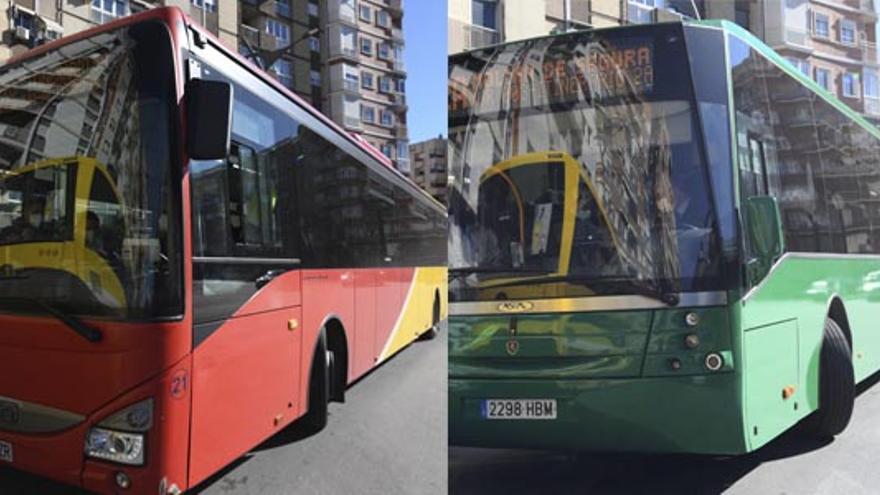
[[248, 372], [363, 339]]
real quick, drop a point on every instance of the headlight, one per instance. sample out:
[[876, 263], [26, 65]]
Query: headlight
[[116, 446], [121, 437]]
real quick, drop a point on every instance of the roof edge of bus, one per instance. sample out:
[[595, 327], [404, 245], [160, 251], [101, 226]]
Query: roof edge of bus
[[361, 144], [558, 35], [772, 55], [168, 14]]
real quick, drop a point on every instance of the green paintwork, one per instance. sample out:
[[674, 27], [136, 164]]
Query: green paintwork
[[612, 395], [608, 370]]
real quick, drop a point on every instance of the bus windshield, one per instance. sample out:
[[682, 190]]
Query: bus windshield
[[88, 211], [578, 169]]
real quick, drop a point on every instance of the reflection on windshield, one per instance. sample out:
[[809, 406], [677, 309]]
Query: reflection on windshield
[[570, 156], [87, 215], [37, 205]]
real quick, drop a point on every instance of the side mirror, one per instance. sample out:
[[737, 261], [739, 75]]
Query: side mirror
[[764, 225], [209, 119]]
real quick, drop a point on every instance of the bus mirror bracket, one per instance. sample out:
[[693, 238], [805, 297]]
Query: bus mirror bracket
[[765, 228], [209, 119]]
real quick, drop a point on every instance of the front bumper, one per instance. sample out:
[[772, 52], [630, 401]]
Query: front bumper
[[693, 414]]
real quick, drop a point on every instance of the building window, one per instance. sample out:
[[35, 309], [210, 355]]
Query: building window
[[383, 19], [801, 65], [850, 85], [871, 88], [820, 25], [366, 46], [367, 80], [483, 13], [823, 76], [282, 7], [315, 78], [383, 51], [313, 9], [403, 150], [350, 78], [401, 86], [283, 71], [847, 32], [368, 114], [314, 44], [387, 149], [384, 84], [108, 10], [209, 5], [386, 118], [366, 13], [279, 30]]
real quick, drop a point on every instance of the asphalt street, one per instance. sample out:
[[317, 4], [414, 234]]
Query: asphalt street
[[793, 464], [389, 437]]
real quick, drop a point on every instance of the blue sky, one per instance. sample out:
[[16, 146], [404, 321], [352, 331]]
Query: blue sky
[[424, 28]]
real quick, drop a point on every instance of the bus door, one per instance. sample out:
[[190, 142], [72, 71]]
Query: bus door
[[246, 300], [388, 297]]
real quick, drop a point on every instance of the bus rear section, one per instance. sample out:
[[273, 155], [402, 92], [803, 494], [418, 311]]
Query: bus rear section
[[593, 245]]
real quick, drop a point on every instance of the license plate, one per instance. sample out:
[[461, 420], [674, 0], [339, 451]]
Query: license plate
[[5, 451], [518, 408]]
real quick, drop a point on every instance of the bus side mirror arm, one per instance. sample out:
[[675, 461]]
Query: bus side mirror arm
[[209, 119]]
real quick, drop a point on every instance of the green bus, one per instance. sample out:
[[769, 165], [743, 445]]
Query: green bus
[[662, 238]]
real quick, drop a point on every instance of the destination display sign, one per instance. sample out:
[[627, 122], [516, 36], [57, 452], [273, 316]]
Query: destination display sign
[[554, 74]]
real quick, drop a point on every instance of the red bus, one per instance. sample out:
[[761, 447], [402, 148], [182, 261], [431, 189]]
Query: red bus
[[191, 258]]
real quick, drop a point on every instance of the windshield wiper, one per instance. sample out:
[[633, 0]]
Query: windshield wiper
[[87, 332], [662, 293]]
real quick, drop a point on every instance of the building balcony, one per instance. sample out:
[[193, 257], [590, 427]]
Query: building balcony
[[397, 35], [259, 40], [400, 130], [352, 122], [398, 101], [344, 52], [872, 106], [338, 13], [869, 53], [395, 8], [207, 18], [398, 66], [350, 86], [799, 39], [479, 36]]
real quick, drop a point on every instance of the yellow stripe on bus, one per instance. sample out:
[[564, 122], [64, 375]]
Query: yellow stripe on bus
[[417, 310]]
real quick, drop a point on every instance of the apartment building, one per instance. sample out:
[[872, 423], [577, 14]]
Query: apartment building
[[429, 168], [476, 23], [345, 57]]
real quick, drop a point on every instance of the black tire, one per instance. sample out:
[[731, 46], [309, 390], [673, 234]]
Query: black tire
[[837, 388], [435, 322], [319, 386]]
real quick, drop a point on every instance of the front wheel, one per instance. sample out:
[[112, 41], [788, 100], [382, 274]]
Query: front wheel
[[837, 389], [319, 385]]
